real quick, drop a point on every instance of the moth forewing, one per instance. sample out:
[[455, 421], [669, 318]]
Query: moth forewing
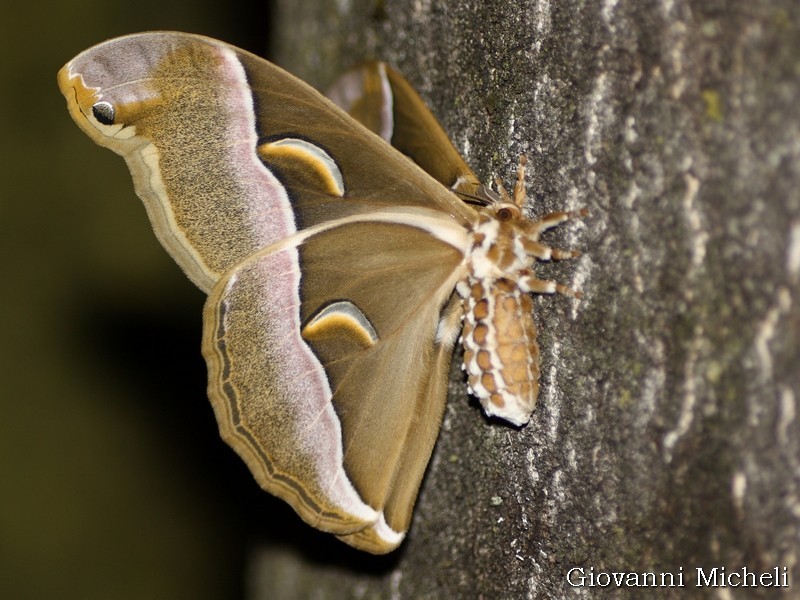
[[380, 98]]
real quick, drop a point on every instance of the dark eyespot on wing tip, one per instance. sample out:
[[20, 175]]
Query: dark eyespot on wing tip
[[103, 112]]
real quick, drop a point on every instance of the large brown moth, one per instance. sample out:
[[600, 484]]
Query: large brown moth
[[338, 271]]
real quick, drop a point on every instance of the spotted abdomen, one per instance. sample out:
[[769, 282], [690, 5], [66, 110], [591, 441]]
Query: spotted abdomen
[[501, 356]]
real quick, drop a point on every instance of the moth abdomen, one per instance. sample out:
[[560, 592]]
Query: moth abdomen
[[501, 355]]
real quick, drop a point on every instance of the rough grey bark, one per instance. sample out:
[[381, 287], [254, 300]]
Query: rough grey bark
[[666, 435]]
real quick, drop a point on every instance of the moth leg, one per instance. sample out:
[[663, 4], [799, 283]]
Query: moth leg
[[559, 254], [530, 283], [543, 252], [556, 218], [549, 221]]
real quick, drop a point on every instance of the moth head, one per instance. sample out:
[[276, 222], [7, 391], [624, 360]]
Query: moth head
[[506, 211]]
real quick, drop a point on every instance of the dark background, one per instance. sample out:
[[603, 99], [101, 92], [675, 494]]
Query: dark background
[[114, 483], [667, 432]]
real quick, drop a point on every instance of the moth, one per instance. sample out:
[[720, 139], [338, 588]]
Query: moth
[[341, 253]]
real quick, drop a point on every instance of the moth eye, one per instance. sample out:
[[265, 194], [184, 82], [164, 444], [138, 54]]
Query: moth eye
[[104, 113], [504, 214]]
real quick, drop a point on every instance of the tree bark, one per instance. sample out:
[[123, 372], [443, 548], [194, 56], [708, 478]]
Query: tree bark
[[666, 436]]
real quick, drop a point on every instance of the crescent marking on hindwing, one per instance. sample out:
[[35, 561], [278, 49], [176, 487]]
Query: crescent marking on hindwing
[[343, 316]]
